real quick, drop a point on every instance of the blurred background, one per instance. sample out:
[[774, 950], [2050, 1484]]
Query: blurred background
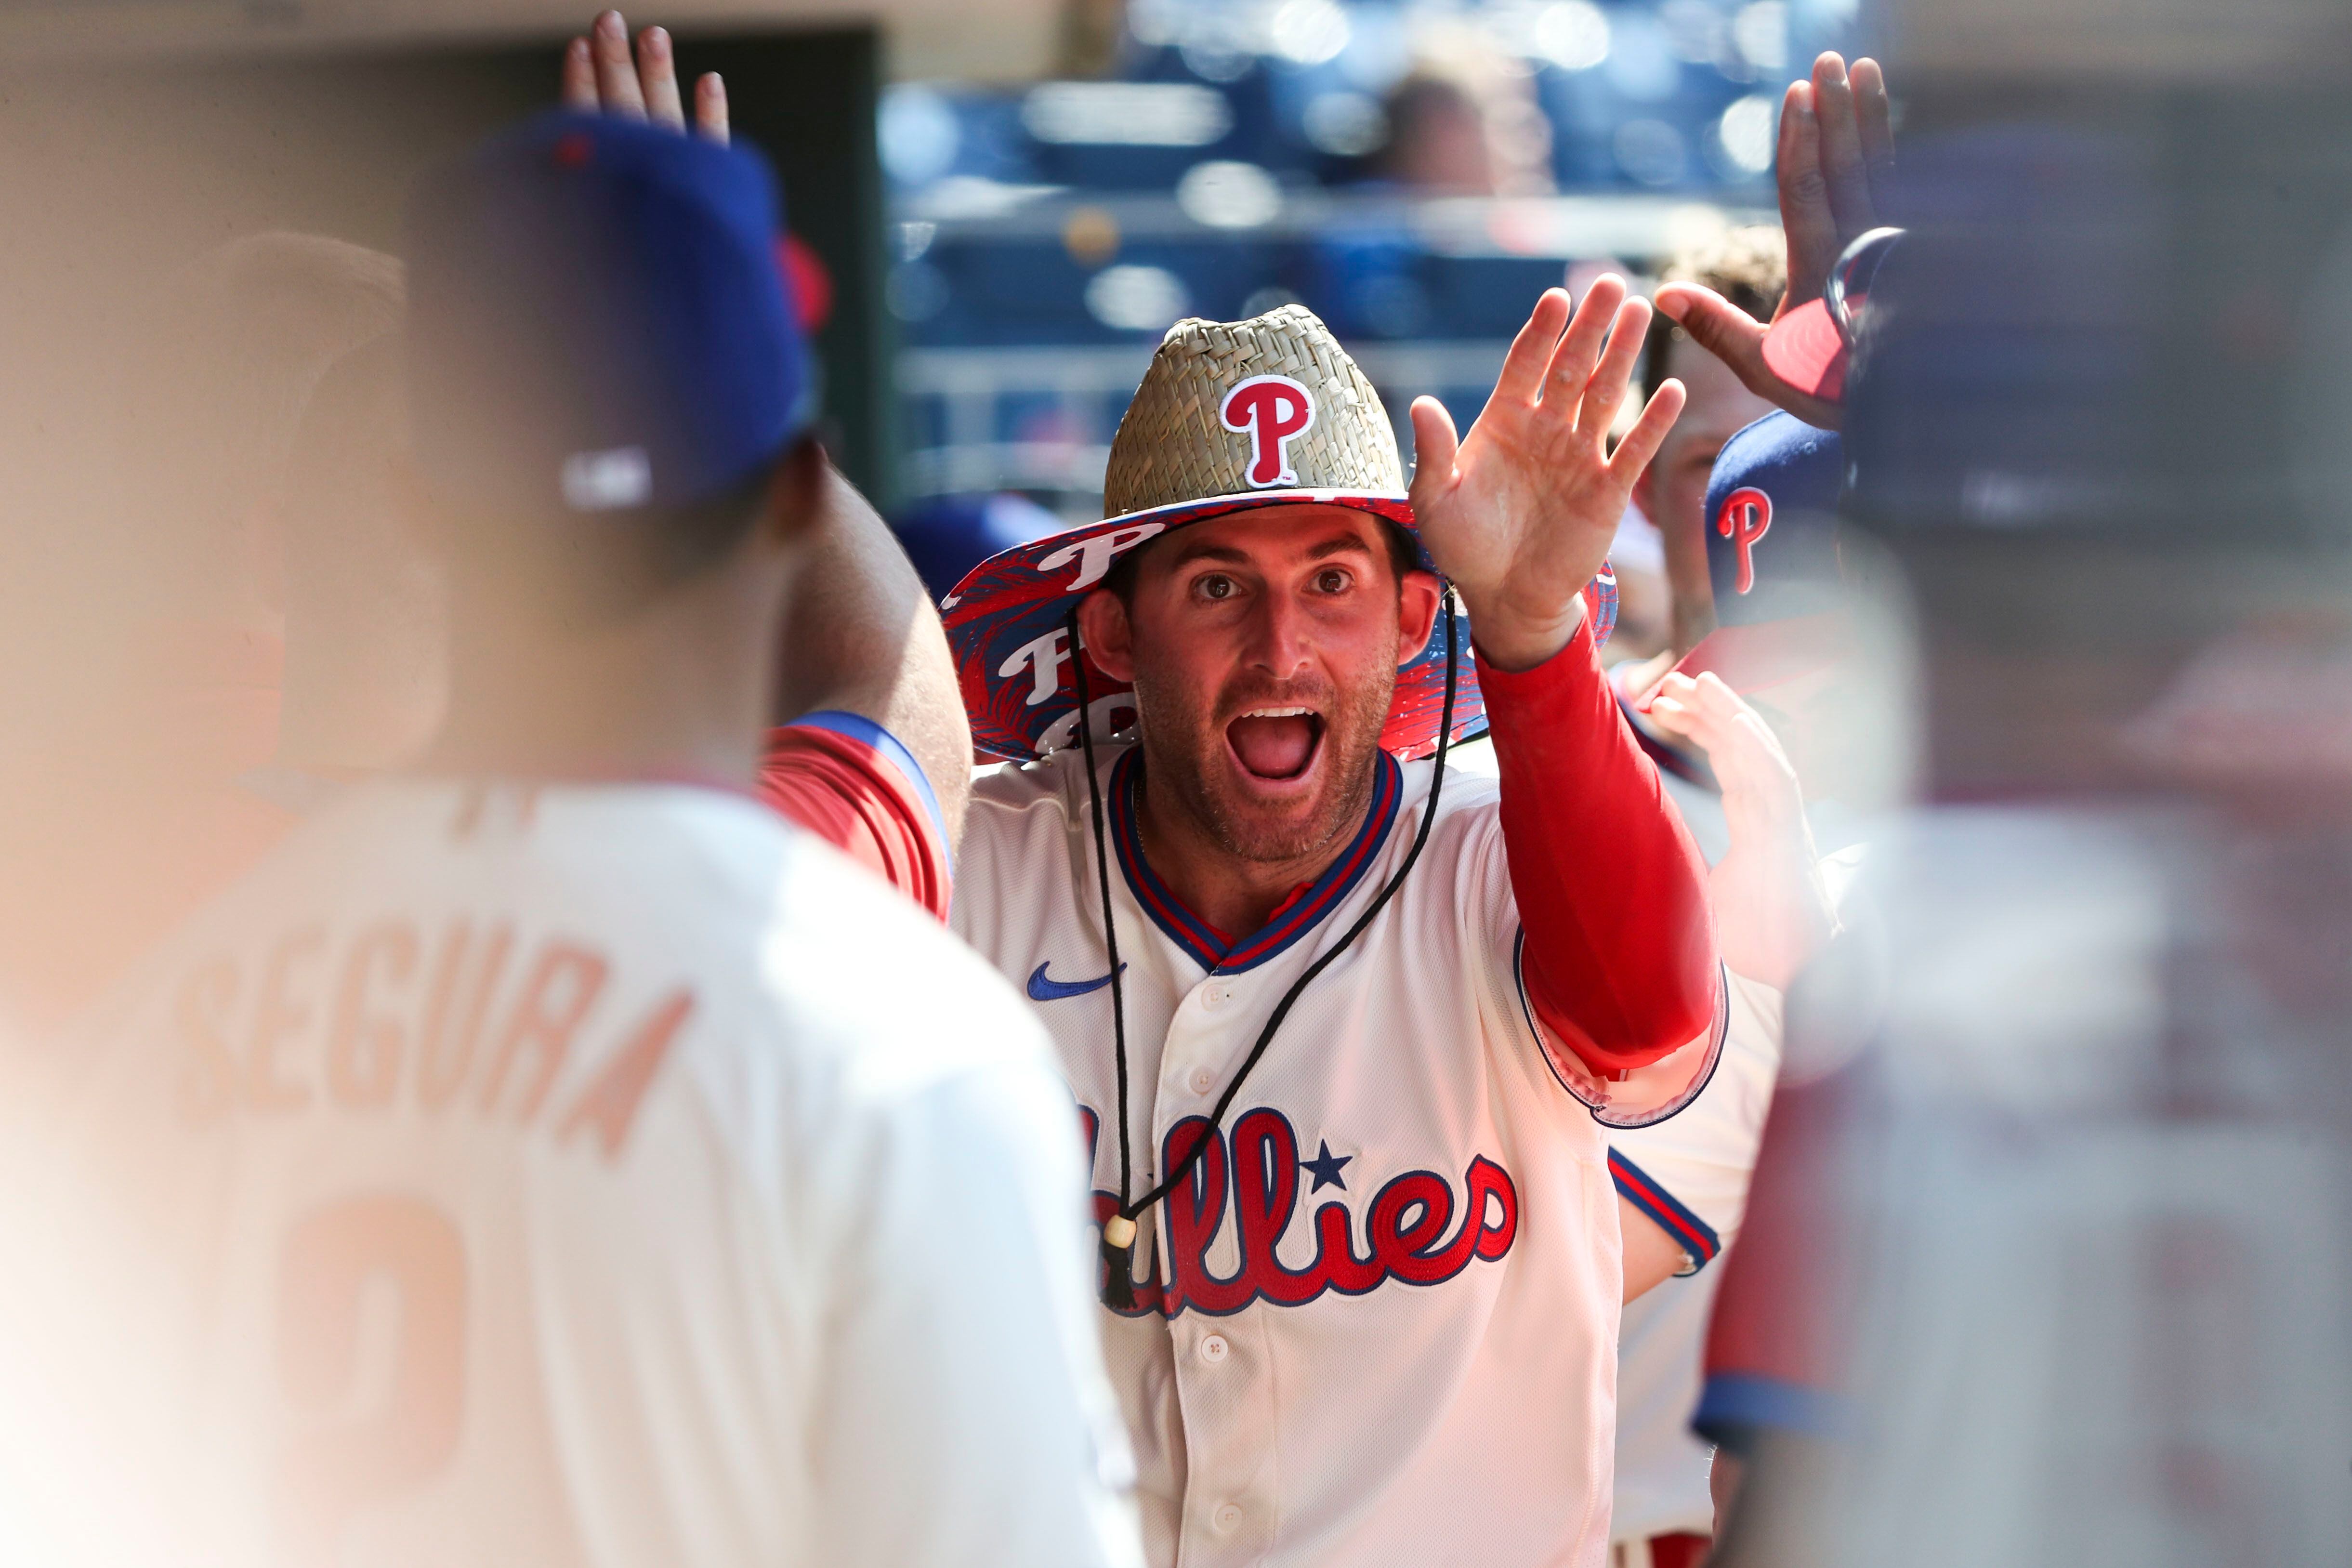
[[997, 207], [1006, 203], [2102, 483]]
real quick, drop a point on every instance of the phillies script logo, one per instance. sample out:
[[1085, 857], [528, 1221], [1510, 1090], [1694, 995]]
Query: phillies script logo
[[1746, 517], [1413, 1232], [1270, 410]]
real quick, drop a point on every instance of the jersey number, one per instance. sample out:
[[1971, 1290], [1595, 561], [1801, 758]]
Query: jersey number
[[378, 1425]]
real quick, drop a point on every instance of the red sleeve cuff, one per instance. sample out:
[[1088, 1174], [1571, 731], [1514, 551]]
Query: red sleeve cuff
[[1620, 956]]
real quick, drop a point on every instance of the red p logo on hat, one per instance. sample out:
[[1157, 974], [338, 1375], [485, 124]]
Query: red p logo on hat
[[1271, 410], [1746, 517]]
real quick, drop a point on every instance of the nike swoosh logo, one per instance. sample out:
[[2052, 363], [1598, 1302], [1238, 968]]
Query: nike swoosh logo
[[1044, 990]]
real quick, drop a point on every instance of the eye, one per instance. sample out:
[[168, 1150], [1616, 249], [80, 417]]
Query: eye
[[1215, 585], [1331, 580]]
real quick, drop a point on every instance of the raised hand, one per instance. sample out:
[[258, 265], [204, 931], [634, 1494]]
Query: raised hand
[[1772, 910], [1835, 166], [1519, 514], [602, 75]]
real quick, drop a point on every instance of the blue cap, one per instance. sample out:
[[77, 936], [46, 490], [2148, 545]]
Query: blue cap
[[947, 536], [598, 322], [1771, 522], [1772, 556]]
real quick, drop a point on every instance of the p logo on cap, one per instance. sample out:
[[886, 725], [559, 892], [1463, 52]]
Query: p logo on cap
[[1231, 417], [1744, 516], [1271, 410]]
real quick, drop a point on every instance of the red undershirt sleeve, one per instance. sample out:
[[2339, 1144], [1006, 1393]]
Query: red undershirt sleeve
[[854, 785], [1620, 961]]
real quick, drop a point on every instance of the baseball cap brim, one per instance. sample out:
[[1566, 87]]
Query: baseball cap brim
[[1751, 657], [1806, 350]]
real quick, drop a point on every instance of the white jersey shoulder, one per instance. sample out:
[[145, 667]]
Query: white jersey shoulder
[[659, 1121]]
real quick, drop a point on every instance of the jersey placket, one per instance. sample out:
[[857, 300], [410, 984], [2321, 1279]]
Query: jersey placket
[[1223, 1364]]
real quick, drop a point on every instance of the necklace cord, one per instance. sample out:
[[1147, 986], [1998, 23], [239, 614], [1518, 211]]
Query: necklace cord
[[1119, 1289]]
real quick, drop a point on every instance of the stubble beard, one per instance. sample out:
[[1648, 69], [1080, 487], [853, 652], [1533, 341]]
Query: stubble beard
[[1184, 752]]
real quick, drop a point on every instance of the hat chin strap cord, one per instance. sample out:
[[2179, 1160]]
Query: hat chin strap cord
[[1118, 1232]]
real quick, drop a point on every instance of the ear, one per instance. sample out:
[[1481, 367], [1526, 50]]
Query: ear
[[1417, 599], [1109, 634]]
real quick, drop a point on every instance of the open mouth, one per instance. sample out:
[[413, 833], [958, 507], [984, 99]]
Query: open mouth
[[1275, 743]]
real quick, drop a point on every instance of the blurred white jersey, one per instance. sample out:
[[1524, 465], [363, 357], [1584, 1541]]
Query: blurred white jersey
[[1377, 1326], [608, 1176]]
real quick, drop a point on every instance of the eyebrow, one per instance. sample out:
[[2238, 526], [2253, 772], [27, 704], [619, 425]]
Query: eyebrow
[[1339, 544]]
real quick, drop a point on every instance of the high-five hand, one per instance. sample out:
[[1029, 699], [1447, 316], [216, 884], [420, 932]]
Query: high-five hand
[[1836, 172], [1520, 513], [601, 75], [1772, 911]]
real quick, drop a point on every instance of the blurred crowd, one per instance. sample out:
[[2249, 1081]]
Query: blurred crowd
[[2004, 1222]]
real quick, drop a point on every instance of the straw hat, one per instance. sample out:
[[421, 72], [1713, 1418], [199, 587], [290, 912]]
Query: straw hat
[[1232, 415]]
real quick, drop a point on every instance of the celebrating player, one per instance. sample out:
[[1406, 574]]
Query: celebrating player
[[1340, 1026], [552, 1157]]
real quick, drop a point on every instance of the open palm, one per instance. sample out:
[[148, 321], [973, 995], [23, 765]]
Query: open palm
[[1519, 514]]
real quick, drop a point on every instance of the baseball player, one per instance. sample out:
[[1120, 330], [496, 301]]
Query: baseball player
[[552, 1156], [1343, 1030], [1774, 565]]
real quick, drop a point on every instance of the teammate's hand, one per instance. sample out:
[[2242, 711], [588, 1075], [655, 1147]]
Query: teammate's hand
[[1836, 171], [602, 76], [1772, 910], [1520, 513]]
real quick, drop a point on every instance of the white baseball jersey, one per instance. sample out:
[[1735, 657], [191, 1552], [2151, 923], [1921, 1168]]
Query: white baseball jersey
[[610, 1176], [1378, 1325]]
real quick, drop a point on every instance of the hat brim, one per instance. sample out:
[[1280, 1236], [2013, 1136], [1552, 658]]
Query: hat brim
[[1008, 625], [1806, 350]]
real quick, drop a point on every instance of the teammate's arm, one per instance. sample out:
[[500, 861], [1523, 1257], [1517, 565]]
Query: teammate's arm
[[1836, 164], [872, 752], [862, 636], [1772, 915]]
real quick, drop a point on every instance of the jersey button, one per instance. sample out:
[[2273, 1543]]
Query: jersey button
[[1214, 1349], [1214, 995], [1227, 1516], [1204, 1081]]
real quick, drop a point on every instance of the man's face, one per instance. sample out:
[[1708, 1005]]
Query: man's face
[[1672, 492], [1262, 647]]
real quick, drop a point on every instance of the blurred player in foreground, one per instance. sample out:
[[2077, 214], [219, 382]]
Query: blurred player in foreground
[[552, 1156], [1342, 1026]]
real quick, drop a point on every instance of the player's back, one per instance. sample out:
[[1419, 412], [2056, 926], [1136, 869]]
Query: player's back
[[600, 1175]]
